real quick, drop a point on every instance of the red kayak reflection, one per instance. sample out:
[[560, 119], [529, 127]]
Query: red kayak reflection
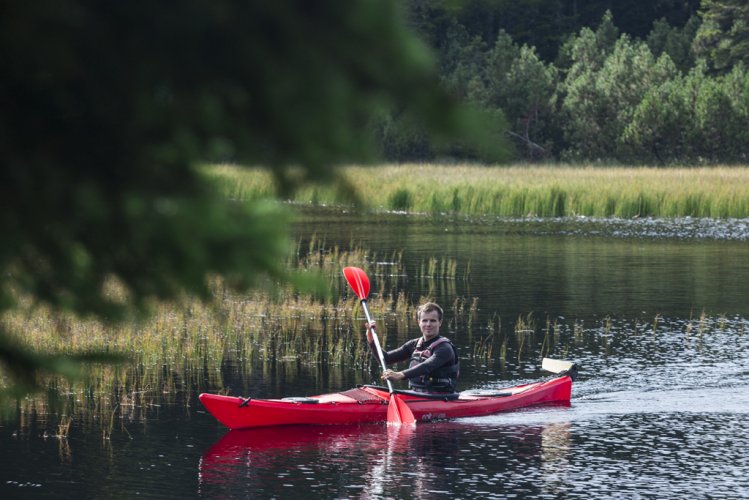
[[344, 461], [256, 446], [286, 436]]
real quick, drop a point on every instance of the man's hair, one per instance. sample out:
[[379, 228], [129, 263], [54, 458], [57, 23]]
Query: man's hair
[[429, 307]]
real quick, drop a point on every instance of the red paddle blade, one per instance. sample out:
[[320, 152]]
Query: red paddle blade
[[399, 413], [358, 280]]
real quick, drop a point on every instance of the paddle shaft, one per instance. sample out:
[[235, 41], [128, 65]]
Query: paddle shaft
[[378, 348]]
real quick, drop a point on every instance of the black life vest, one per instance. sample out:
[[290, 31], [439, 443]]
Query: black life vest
[[444, 378]]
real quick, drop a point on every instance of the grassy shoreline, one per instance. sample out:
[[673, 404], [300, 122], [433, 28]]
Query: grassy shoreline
[[522, 191]]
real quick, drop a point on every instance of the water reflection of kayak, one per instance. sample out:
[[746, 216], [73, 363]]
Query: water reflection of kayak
[[250, 462], [367, 404], [291, 436]]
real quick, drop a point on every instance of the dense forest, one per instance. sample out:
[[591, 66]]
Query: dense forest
[[659, 83]]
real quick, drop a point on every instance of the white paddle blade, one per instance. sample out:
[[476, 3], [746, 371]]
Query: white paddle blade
[[556, 365]]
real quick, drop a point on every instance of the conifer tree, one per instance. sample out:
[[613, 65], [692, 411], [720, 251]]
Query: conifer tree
[[723, 37]]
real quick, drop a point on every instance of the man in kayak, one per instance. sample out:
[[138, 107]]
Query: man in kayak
[[434, 365]]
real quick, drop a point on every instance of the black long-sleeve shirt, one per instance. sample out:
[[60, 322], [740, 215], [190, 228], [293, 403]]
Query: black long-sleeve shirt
[[443, 355]]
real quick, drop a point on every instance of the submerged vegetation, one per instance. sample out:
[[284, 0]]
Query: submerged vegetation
[[527, 191]]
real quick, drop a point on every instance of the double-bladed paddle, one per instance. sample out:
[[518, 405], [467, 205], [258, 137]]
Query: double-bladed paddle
[[398, 411]]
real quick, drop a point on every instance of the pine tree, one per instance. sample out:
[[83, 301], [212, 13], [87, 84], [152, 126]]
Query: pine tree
[[723, 38]]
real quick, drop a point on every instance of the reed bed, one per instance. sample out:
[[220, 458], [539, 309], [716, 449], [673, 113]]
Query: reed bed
[[524, 191], [186, 348]]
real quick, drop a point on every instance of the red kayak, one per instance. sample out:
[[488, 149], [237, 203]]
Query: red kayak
[[368, 404]]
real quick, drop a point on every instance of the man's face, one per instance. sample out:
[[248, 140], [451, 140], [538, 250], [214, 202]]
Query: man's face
[[430, 323]]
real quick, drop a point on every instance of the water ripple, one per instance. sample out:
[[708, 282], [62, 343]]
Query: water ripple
[[656, 228]]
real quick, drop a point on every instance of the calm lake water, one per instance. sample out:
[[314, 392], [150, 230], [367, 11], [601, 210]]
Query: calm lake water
[[655, 312]]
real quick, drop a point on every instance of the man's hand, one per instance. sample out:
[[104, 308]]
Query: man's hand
[[392, 375], [369, 326]]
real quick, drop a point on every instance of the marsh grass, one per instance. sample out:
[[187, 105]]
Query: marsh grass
[[524, 191], [184, 348], [552, 327], [63, 427], [525, 327], [522, 340], [483, 349]]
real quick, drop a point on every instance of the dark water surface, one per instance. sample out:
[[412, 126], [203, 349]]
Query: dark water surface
[[655, 313]]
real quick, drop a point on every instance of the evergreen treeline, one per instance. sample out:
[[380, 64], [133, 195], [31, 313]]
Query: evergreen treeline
[[664, 83]]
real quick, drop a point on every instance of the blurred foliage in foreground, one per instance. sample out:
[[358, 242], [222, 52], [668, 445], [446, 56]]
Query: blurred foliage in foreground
[[109, 106]]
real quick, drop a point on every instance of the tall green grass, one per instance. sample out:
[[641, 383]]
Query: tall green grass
[[524, 191]]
